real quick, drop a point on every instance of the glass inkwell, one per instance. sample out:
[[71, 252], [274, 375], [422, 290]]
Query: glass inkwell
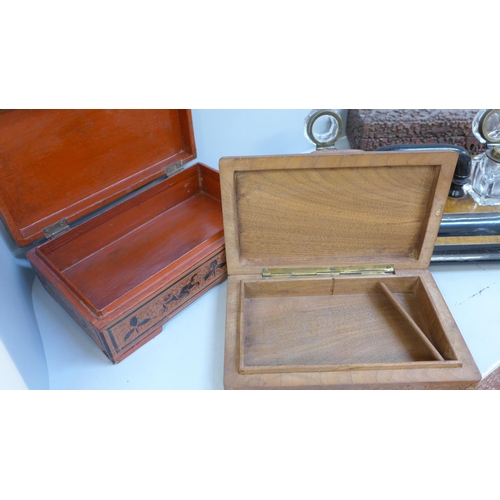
[[484, 186]]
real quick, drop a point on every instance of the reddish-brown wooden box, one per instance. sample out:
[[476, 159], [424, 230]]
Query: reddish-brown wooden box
[[121, 274]]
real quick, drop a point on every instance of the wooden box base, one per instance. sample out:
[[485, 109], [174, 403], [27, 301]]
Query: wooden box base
[[124, 273], [343, 333]]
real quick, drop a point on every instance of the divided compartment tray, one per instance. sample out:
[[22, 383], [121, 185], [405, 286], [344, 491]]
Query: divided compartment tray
[[314, 325]]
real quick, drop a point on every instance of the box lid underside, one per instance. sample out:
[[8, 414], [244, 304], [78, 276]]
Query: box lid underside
[[340, 208], [63, 164]]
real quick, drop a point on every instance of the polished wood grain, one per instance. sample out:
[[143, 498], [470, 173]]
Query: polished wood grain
[[308, 325], [57, 164], [307, 337], [338, 332], [436, 354], [338, 208], [467, 240], [107, 258]]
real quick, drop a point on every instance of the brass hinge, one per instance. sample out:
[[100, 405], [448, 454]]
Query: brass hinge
[[173, 169], [284, 272], [56, 229]]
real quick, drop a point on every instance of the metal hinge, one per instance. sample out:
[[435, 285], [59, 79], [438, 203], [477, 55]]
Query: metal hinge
[[55, 229], [173, 169], [283, 272]]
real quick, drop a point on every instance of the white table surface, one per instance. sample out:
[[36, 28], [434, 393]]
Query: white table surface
[[189, 352], [472, 293]]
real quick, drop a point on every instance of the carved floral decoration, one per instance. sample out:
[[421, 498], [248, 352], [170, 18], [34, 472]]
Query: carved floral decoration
[[166, 303]]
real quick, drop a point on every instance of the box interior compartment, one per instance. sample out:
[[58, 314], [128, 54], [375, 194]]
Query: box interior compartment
[[109, 256], [331, 324]]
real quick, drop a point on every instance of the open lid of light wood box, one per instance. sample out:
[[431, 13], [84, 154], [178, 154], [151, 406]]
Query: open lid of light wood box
[[59, 165], [340, 208]]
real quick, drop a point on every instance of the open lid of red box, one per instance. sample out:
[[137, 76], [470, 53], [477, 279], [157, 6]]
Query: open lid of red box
[[334, 209], [58, 165]]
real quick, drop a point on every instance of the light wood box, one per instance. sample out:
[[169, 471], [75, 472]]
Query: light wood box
[[328, 285]]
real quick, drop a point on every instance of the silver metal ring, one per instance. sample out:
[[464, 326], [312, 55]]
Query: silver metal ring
[[311, 119], [482, 126]]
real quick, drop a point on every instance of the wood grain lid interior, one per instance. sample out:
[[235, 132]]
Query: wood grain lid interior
[[333, 209], [62, 164]]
